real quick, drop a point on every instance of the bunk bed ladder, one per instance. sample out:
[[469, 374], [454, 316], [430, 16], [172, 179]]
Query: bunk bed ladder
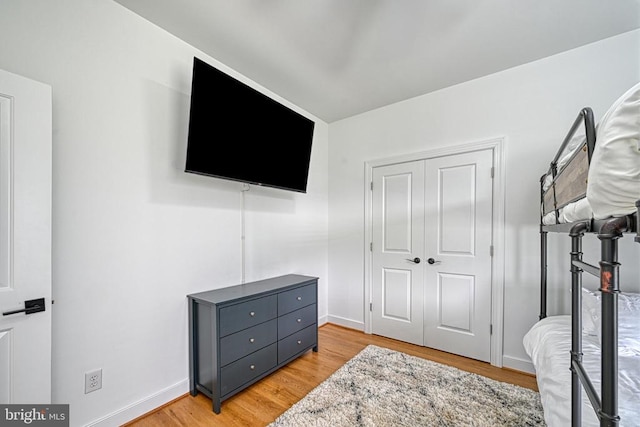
[[607, 408]]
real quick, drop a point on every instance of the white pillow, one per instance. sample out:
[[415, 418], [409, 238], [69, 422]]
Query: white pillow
[[614, 176]]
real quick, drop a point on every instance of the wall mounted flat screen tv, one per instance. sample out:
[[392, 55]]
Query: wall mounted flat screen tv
[[238, 133]]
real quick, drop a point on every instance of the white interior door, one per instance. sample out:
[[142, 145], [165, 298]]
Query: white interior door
[[25, 240], [458, 250], [398, 245]]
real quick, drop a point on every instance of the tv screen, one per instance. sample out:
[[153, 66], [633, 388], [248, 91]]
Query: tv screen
[[238, 133]]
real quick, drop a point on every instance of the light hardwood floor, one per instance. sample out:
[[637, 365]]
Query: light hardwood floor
[[264, 401]]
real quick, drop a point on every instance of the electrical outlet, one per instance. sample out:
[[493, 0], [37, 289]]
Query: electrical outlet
[[92, 381]]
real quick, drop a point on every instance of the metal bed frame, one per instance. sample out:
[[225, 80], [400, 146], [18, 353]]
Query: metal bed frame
[[608, 231]]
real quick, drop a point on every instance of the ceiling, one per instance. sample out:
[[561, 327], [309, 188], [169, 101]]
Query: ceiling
[[339, 58]]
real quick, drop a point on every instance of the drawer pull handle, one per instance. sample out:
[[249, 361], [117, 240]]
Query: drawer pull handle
[[252, 314], [299, 342], [299, 298], [252, 367], [251, 340], [298, 320]]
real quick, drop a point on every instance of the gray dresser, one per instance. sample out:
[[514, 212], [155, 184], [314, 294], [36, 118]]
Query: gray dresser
[[240, 334]]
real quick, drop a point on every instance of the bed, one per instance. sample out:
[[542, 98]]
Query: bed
[[588, 364], [548, 343]]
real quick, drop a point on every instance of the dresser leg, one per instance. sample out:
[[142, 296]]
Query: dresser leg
[[193, 342]]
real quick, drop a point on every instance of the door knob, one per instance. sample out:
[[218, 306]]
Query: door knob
[[433, 261], [415, 260], [30, 307]]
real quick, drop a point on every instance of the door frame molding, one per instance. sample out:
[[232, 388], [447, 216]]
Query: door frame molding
[[496, 145]]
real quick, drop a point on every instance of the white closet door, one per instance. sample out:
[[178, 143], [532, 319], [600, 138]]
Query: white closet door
[[398, 245], [458, 257]]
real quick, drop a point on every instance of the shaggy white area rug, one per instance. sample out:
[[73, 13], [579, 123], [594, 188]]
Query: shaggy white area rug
[[382, 387]]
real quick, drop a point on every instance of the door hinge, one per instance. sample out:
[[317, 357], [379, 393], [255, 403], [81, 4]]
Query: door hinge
[[371, 247], [492, 171], [370, 306], [491, 250], [490, 329], [371, 186]]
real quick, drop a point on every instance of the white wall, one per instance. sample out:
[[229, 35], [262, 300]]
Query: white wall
[[133, 234], [532, 108]]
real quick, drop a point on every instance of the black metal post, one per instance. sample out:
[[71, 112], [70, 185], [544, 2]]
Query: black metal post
[[590, 131], [543, 255], [609, 288], [576, 234], [543, 274], [637, 238], [193, 347]]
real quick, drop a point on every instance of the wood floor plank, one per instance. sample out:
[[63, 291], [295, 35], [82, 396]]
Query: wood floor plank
[[264, 401]]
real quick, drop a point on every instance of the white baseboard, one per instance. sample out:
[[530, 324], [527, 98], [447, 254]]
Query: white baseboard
[[322, 320], [347, 323], [143, 406], [518, 364], [174, 391]]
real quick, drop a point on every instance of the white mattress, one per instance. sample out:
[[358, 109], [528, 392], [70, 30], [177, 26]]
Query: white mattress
[[548, 344], [573, 212]]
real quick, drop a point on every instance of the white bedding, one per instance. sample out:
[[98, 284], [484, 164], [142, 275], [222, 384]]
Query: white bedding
[[548, 344], [573, 212], [613, 184]]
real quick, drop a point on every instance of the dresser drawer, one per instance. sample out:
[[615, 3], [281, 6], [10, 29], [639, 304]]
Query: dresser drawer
[[294, 321], [238, 345], [296, 298], [241, 316], [296, 343], [246, 369]]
